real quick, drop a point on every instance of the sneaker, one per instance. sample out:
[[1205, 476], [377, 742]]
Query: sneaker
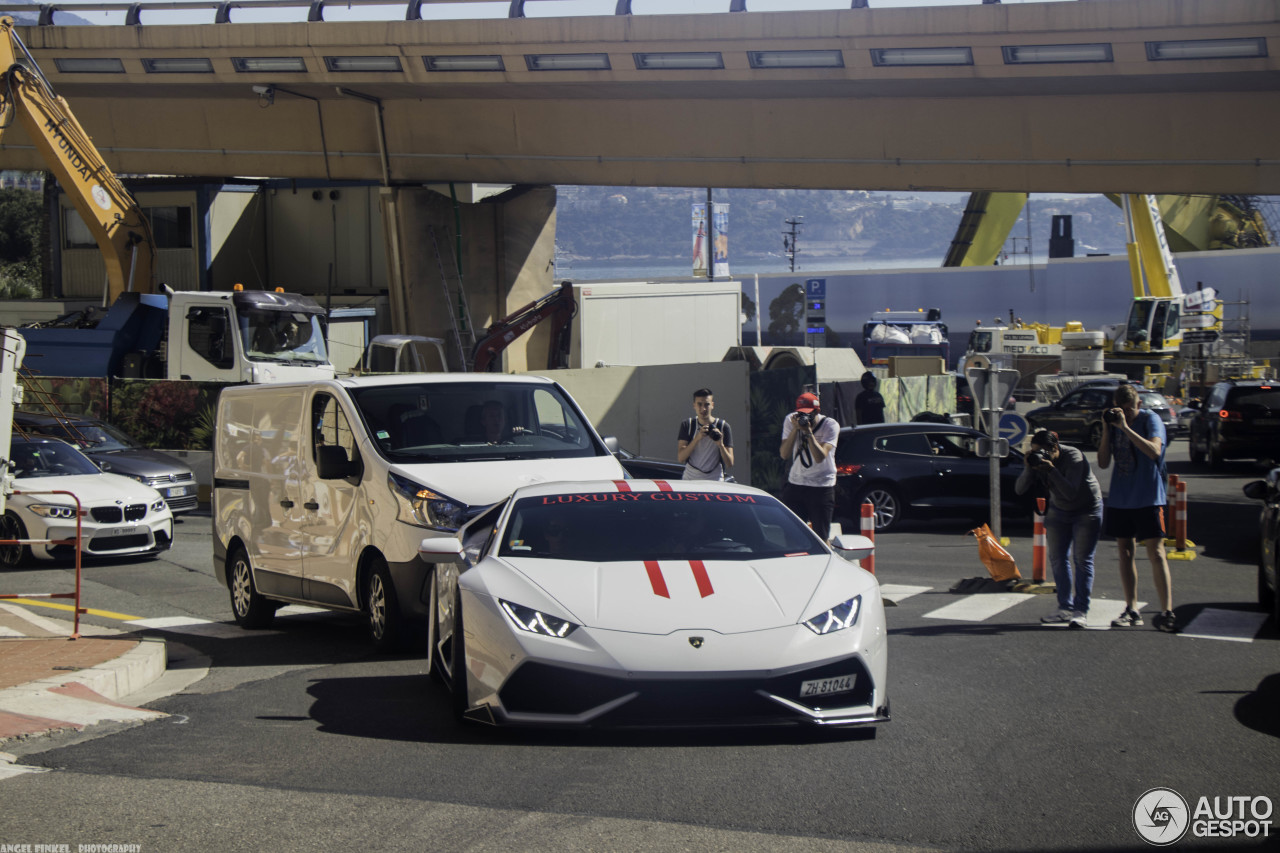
[[1165, 622], [1057, 618], [1127, 619], [1079, 621]]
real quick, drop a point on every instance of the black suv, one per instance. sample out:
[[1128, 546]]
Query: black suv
[[1077, 417], [1240, 419]]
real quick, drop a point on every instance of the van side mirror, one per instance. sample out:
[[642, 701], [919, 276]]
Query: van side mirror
[[610, 443], [332, 463], [1256, 490]]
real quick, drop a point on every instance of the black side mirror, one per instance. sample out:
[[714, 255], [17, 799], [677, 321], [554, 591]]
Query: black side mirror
[[1256, 490], [332, 463]]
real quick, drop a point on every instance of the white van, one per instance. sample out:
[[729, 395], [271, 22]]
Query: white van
[[324, 490]]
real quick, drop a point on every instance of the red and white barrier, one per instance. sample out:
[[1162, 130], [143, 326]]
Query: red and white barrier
[[869, 531], [75, 633], [1039, 544]]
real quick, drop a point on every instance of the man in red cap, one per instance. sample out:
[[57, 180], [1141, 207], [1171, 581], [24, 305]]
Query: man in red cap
[[809, 445]]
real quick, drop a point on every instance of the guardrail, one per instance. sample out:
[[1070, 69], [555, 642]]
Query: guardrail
[[75, 631]]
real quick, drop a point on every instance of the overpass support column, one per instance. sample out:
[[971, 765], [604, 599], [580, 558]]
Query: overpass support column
[[508, 252]]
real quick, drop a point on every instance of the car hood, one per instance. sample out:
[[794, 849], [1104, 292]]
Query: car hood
[[140, 462], [484, 483], [90, 489], [658, 597]]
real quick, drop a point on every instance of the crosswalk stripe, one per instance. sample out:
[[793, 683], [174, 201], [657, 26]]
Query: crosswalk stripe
[[1240, 626], [897, 592], [976, 608]]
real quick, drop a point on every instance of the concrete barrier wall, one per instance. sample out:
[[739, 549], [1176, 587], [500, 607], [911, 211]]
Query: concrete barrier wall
[[643, 406]]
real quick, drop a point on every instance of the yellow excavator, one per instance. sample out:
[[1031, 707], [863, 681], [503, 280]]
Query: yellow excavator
[[118, 224], [1192, 223]]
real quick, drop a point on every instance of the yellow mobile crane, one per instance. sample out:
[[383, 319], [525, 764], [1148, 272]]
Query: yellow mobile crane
[[121, 230]]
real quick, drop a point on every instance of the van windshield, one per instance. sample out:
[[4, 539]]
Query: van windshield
[[474, 421]]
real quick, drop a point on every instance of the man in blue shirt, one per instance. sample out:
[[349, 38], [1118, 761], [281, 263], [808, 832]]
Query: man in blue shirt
[[1135, 439]]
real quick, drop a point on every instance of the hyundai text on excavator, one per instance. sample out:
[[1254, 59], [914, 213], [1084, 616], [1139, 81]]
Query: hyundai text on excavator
[[239, 336]]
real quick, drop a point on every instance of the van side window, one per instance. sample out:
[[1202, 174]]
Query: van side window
[[329, 425], [208, 333]]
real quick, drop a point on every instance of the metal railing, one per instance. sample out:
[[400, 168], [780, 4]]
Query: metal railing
[[75, 631]]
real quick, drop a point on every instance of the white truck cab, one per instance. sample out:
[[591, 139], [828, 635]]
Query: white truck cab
[[324, 490]]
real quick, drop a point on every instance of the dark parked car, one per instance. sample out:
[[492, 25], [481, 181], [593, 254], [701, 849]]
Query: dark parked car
[[648, 468], [918, 469], [116, 452], [1165, 409], [1077, 416], [1268, 491], [1240, 419]]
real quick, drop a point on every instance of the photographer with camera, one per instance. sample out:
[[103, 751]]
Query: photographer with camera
[[1072, 521], [809, 444], [1135, 439], [705, 443]]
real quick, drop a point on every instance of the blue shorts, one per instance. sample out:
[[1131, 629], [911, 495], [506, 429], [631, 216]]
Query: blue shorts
[[1138, 523]]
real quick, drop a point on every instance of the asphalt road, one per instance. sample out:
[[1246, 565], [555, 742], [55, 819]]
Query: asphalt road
[[1006, 735]]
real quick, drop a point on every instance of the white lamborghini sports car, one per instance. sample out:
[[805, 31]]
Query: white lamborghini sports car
[[648, 603]]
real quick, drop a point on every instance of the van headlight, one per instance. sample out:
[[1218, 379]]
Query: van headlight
[[420, 506]]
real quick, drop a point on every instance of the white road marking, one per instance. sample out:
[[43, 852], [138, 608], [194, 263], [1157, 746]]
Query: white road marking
[[192, 625], [1239, 626], [9, 632], [976, 608], [897, 592]]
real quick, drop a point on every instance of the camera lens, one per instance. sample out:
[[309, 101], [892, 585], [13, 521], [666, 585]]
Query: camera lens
[[713, 434]]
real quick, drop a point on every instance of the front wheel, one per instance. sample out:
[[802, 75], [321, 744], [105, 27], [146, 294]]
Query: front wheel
[[382, 608], [1194, 451], [1095, 435], [1268, 598], [12, 556], [250, 609], [887, 506]]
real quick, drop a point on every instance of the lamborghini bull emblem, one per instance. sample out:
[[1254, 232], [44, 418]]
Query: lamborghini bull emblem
[[696, 642]]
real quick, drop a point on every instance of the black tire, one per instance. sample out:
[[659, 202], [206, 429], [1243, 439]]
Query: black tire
[[1215, 456], [250, 609], [1268, 598], [458, 684], [1193, 451], [382, 608], [13, 556], [1095, 435], [887, 503]]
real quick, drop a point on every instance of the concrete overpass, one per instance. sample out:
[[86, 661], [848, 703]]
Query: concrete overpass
[[1166, 96], [1170, 96]]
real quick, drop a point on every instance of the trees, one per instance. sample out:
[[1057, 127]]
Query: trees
[[21, 237]]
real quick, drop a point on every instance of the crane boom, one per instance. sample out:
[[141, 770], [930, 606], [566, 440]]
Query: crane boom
[[110, 212]]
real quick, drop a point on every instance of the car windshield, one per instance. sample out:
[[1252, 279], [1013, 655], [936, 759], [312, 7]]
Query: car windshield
[[282, 336], [93, 436], [32, 459], [1152, 400], [637, 526], [474, 421]]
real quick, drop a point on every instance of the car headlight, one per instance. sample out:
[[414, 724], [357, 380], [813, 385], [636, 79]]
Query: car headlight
[[159, 505], [53, 510], [536, 622], [843, 615], [418, 505]]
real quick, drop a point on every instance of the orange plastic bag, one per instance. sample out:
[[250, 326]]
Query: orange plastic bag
[[999, 562]]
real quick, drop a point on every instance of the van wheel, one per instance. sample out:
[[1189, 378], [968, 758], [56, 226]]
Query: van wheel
[[12, 556], [250, 609], [382, 608]]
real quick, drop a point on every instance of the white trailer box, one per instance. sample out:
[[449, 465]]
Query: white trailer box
[[657, 322]]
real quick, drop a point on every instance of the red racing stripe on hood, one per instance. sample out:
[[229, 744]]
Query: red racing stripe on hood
[[701, 576], [656, 580], [622, 485]]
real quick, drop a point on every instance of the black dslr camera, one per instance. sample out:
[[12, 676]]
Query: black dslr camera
[[713, 433], [804, 419], [1111, 416], [1036, 458]]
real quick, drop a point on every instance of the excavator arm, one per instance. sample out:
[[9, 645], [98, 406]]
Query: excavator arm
[[559, 305], [118, 225]]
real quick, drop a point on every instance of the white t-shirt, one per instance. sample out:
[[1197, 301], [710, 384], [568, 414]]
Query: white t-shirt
[[814, 473]]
